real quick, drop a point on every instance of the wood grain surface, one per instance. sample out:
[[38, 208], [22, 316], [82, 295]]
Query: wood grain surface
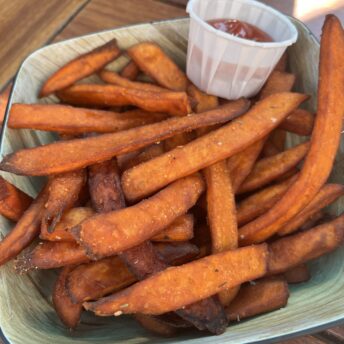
[[25, 25]]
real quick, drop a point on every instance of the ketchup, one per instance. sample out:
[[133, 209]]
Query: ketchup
[[240, 29]]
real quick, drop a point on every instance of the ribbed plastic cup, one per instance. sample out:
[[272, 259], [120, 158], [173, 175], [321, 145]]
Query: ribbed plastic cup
[[227, 66]]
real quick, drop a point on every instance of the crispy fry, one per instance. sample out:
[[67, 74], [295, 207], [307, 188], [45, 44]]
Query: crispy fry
[[73, 154], [261, 201], [286, 253], [148, 56], [4, 96], [327, 195], [180, 229], [240, 165], [116, 79], [324, 142], [81, 67], [173, 103], [51, 255], [147, 218], [13, 202], [299, 122], [26, 229], [221, 216], [262, 296], [69, 219], [219, 144], [204, 102], [68, 119], [68, 312], [155, 325], [64, 190], [130, 71], [206, 277], [269, 169], [298, 274], [277, 82]]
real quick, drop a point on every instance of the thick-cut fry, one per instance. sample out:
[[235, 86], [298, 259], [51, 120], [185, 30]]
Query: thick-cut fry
[[206, 277], [3, 101], [299, 122], [81, 67], [269, 169], [327, 195], [240, 165], [179, 230], [262, 296], [13, 202], [324, 143], [69, 219], [73, 154], [286, 253], [277, 82], [148, 56], [64, 190], [68, 312], [146, 219], [219, 144], [68, 119], [130, 71], [221, 215], [260, 202], [96, 279], [298, 274], [173, 103], [51, 255], [26, 229], [115, 79], [155, 325]]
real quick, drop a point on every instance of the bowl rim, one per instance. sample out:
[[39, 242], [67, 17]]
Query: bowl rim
[[274, 339]]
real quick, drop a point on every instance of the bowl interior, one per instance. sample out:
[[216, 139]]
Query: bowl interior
[[26, 312]]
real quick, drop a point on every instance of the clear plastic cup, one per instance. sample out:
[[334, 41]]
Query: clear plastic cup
[[228, 66]]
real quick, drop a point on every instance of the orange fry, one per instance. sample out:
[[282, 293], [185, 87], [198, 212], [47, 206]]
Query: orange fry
[[73, 154], [130, 71], [204, 102], [299, 122], [277, 82], [298, 274], [81, 67], [173, 103], [72, 120], [206, 277], [219, 144]]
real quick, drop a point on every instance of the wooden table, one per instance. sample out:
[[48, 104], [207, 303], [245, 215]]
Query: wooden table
[[26, 25]]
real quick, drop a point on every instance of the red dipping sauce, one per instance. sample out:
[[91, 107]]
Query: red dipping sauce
[[240, 29]]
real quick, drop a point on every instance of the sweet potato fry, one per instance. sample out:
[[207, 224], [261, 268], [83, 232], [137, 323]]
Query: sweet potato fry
[[146, 219], [155, 325], [51, 255], [26, 229], [130, 71], [219, 144], [4, 96], [298, 274], [173, 103], [69, 219], [72, 120], [299, 122], [13, 202], [96, 279], [286, 253], [148, 56], [240, 165], [269, 169], [261, 201], [324, 142], [64, 191], [68, 312], [327, 195], [262, 296], [115, 79], [178, 141], [73, 154], [221, 215], [204, 102], [206, 277], [277, 82], [81, 67], [180, 229]]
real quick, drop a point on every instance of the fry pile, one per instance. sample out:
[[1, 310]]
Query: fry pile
[[163, 204]]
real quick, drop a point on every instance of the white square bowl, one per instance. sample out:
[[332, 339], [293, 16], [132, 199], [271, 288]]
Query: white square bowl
[[26, 312]]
